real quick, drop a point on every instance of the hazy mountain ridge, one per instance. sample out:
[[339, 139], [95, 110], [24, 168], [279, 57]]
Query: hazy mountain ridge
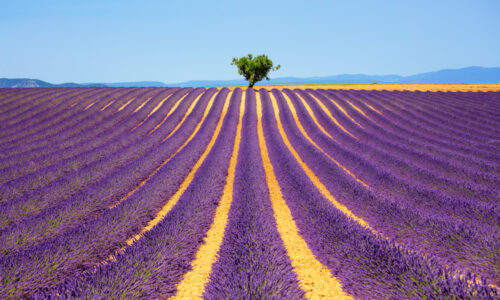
[[29, 83], [134, 84], [464, 75]]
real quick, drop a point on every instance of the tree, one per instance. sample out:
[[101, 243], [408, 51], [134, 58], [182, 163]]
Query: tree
[[254, 69]]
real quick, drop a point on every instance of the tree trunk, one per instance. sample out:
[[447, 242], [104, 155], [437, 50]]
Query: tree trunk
[[250, 85]]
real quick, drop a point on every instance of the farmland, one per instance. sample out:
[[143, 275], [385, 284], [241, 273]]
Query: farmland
[[281, 193]]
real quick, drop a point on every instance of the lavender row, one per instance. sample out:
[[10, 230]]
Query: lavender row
[[375, 150], [100, 127], [437, 123], [407, 193], [11, 125], [7, 96], [25, 121], [104, 180], [94, 156], [399, 165], [395, 131], [443, 150], [441, 103], [153, 266], [397, 137], [46, 172], [374, 127], [457, 244], [428, 106], [57, 213], [68, 117], [84, 247], [252, 262], [403, 125], [24, 102], [55, 130], [23, 136], [15, 95], [367, 265], [480, 104], [18, 98], [482, 180], [465, 141], [379, 177], [70, 144], [372, 132], [483, 103]]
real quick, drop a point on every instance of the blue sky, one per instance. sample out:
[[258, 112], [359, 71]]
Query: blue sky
[[173, 41]]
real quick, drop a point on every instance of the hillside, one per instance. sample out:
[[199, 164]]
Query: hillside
[[150, 193]]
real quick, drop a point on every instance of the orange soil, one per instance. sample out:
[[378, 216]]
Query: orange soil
[[172, 109], [89, 106], [142, 105], [207, 109], [126, 104], [194, 281], [106, 106], [167, 207], [325, 109], [319, 185], [304, 133], [315, 278]]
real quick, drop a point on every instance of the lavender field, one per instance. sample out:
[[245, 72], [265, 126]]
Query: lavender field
[[147, 193]]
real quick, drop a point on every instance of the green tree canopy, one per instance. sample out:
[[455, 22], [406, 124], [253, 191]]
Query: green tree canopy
[[254, 69]]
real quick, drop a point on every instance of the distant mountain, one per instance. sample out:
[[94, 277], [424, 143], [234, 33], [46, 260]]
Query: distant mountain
[[464, 75], [29, 83], [209, 83], [23, 83], [135, 84], [346, 78]]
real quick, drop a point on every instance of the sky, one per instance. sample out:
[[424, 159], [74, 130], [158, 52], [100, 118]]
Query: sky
[[175, 41]]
